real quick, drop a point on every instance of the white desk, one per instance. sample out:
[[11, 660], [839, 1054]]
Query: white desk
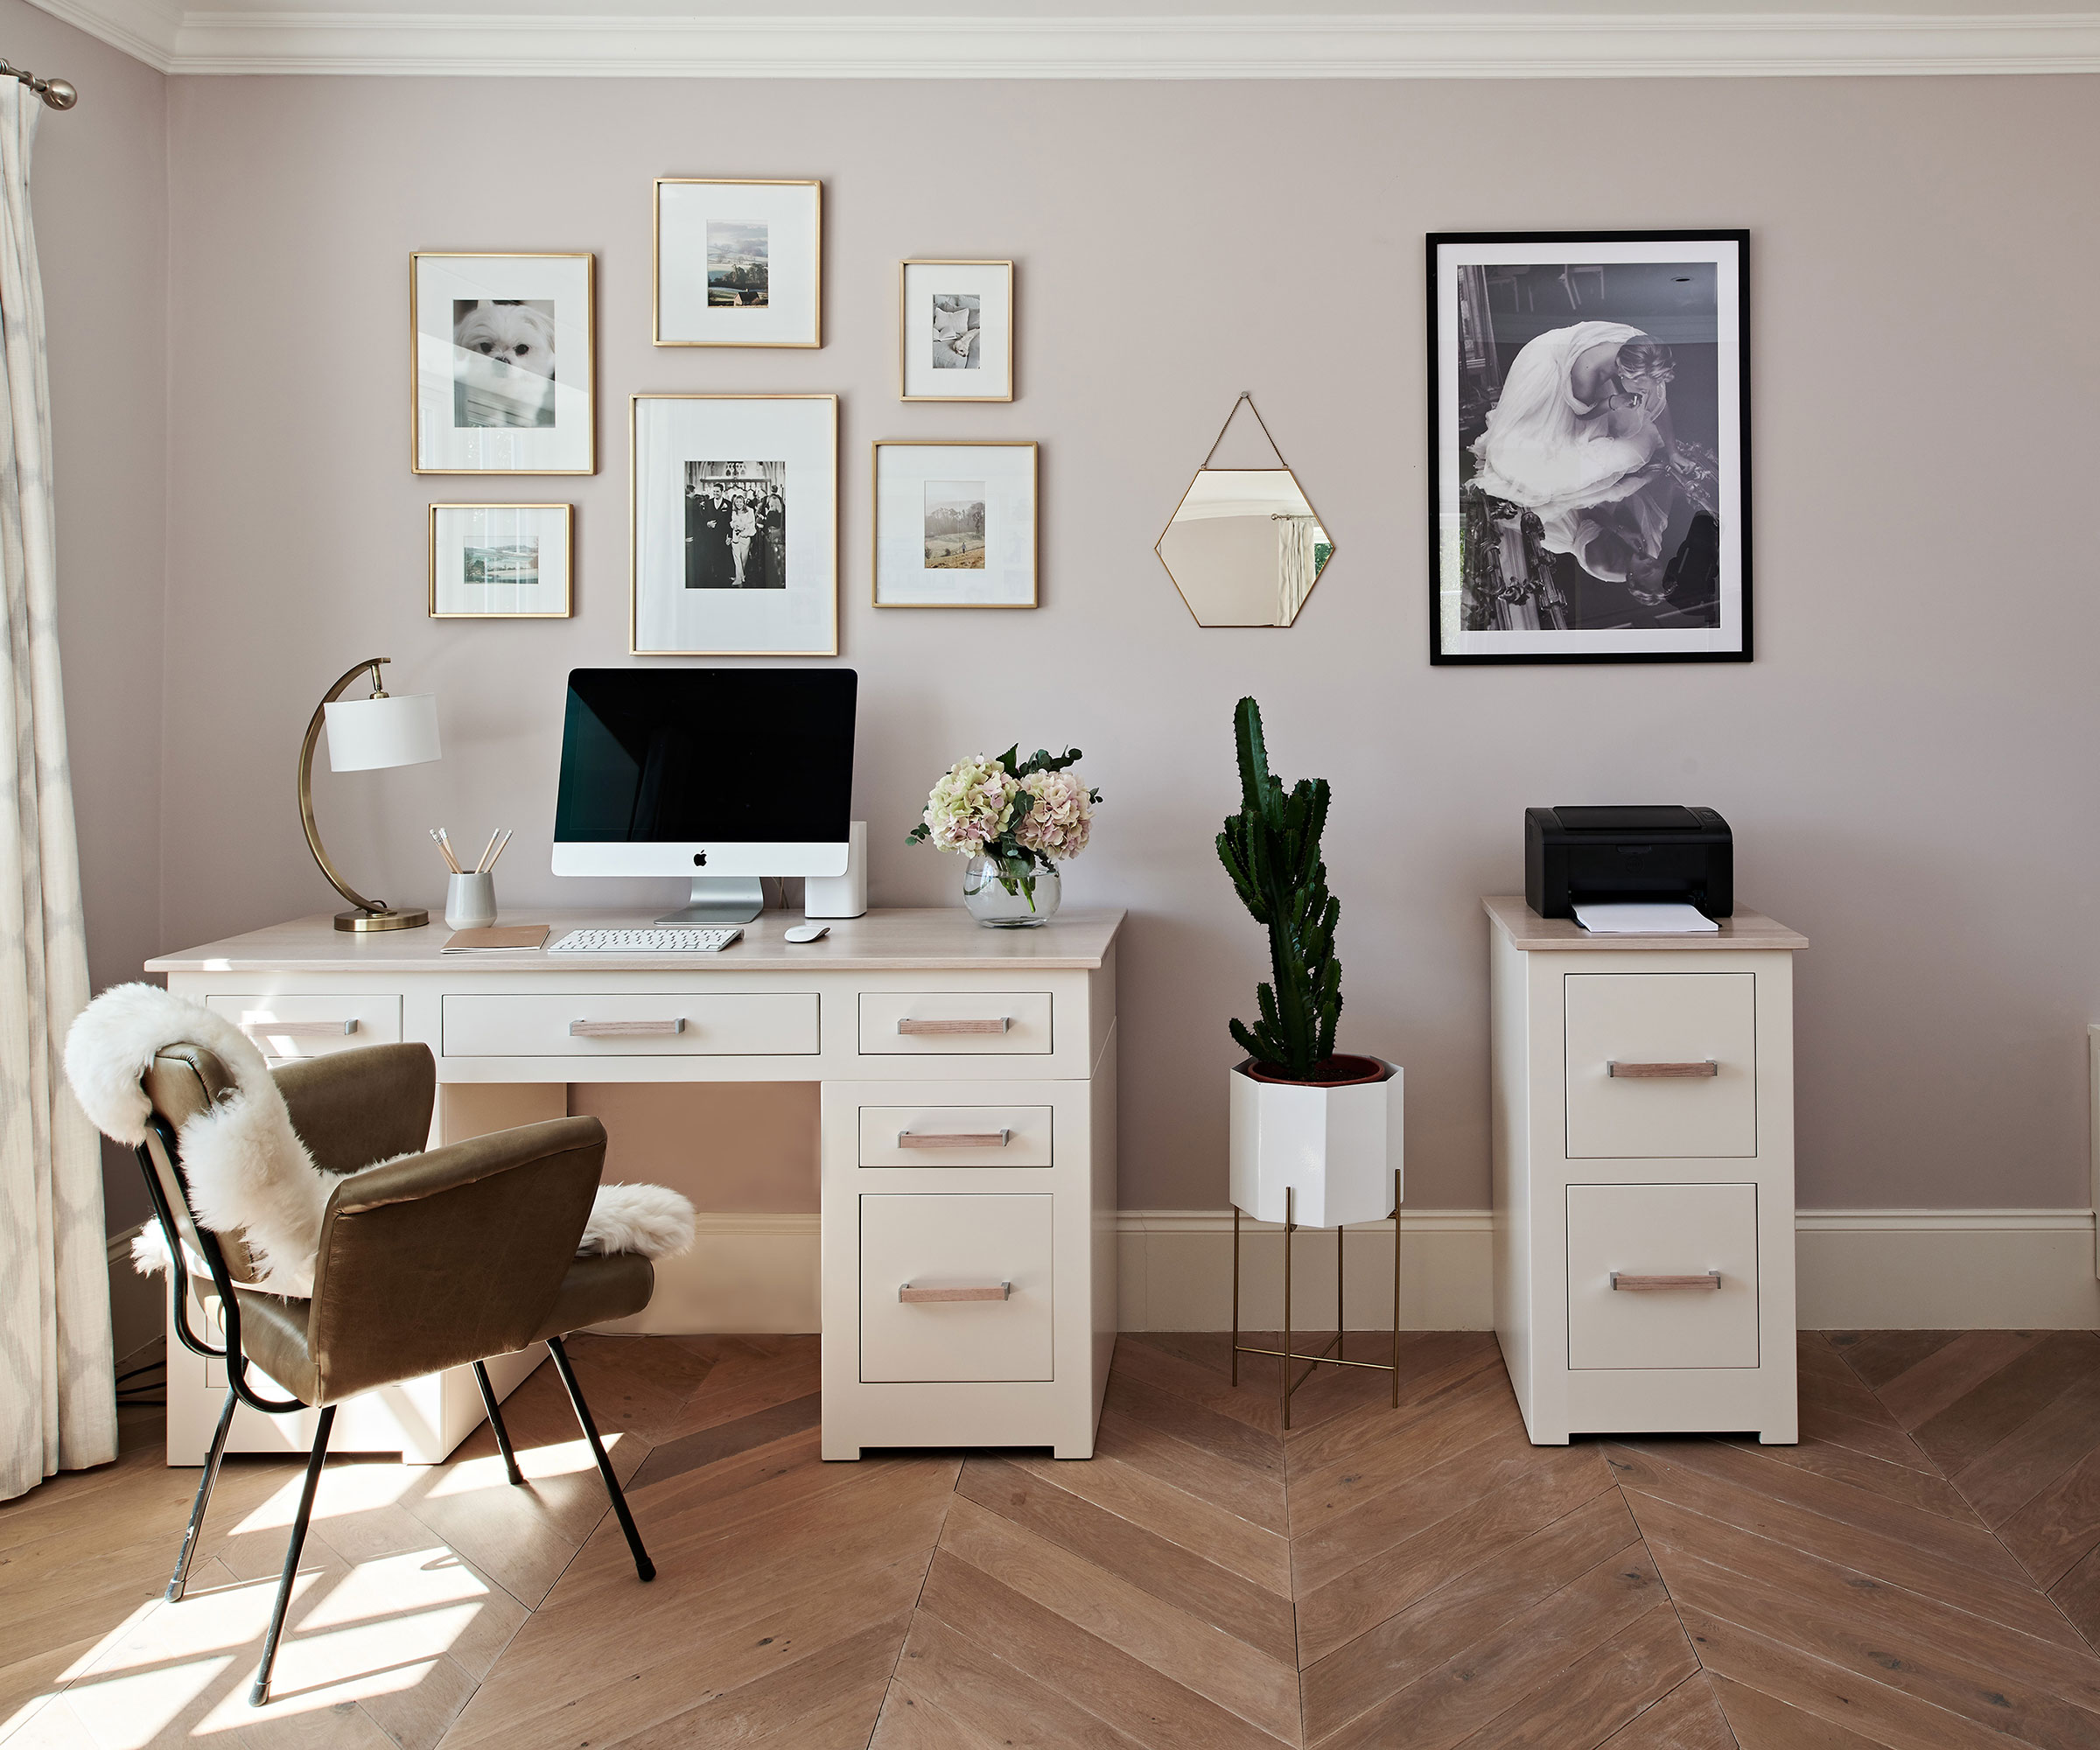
[[969, 1127]]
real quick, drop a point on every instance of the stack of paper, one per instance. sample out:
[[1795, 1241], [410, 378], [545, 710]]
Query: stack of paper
[[1662, 920]]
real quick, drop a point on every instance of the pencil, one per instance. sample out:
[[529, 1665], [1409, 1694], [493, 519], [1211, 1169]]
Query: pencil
[[481, 866], [444, 849]]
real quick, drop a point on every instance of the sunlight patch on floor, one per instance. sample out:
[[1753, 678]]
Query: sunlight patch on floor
[[377, 1629], [564, 1459], [344, 1489]]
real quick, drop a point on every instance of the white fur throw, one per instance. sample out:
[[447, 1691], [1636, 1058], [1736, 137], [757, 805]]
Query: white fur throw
[[249, 1172]]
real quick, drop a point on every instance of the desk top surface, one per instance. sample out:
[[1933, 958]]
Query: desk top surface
[[944, 939], [1527, 930]]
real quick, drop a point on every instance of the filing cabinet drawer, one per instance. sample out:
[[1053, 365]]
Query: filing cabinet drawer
[[295, 1027], [987, 1257], [955, 1023], [585, 1024], [955, 1136], [1660, 1064], [1683, 1260]]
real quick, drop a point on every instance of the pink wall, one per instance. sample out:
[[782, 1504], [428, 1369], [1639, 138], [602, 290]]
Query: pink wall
[[1906, 764], [100, 200]]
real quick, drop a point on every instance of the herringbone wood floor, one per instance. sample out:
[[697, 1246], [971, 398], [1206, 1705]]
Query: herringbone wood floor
[[1923, 1570]]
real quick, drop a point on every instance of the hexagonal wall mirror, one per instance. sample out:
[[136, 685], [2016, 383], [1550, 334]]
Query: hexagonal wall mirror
[[1244, 546]]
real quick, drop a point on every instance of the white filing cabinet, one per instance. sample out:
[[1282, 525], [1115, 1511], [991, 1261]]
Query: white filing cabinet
[[1643, 1135]]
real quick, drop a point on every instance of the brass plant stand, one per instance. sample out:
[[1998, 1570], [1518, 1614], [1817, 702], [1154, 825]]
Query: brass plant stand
[[1285, 1384]]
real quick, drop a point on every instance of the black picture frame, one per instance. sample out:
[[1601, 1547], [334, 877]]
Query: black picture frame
[[1667, 562]]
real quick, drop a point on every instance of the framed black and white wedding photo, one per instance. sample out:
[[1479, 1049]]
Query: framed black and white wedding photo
[[1589, 446], [737, 263], [734, 518], [954, 523], [500, 561], [955, 322], [501, 375]]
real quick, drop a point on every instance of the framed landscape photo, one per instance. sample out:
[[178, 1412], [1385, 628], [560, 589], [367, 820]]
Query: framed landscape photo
[[955, 331], [734, 530], [502, 373], [1589, 446], [501, 562], [737, 263], [955, 524]]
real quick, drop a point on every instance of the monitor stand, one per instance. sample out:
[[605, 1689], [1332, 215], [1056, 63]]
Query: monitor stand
[[721, 900]]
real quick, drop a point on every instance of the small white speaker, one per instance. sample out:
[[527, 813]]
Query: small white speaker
[[841, 896]]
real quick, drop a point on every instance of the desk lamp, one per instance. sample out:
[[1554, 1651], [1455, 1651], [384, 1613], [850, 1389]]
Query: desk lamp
[[367, 735]]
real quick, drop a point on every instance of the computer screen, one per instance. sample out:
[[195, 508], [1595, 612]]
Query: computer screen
[[731, 771]]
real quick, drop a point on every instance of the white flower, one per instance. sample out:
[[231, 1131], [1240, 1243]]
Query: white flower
[[972, 805]]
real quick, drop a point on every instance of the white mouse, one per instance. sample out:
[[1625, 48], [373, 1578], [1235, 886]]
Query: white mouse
[[807, 932]]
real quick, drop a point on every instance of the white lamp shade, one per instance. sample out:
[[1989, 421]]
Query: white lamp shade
[[365, 735]]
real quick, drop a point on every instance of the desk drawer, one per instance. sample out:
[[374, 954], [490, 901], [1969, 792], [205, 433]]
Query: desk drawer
[[312, 1025], [1660, 1064], [586, 1025], [954, 1024], [959, 1245], [955, 1136], [1684, 1258]]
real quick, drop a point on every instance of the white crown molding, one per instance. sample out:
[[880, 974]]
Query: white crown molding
[[1309, 46]]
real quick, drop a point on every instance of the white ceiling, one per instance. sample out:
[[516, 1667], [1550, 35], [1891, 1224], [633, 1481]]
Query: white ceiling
[[1099, 38]]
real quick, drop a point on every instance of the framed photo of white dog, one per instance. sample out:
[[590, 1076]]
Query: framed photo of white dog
[[1590, 447], [501, 369]]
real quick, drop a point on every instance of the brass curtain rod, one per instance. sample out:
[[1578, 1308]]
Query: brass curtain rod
[[58, 93]]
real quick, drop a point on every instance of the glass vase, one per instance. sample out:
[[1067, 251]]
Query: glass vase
[[1005, 893]]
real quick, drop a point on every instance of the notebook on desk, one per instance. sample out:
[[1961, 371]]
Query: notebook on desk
[[499, 939]]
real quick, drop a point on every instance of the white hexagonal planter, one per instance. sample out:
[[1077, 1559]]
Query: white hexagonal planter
[[1335, 1149]]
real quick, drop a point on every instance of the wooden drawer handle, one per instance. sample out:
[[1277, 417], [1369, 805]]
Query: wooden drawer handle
[[983, 1291], [954, 1139], [626, 1029], [1620, 1280], [298, 1029], [914, 1029], [1657, 1071]]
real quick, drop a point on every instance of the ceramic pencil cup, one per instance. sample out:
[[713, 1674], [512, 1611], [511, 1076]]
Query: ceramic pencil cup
[[470, 902]]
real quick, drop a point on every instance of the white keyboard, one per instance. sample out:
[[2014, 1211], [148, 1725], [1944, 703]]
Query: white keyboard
[[678, 938]]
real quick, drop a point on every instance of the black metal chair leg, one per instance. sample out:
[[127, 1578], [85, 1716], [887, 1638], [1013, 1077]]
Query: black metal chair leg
[[204, 1497], [495, 1421], [260, 1693], [643, 1565]]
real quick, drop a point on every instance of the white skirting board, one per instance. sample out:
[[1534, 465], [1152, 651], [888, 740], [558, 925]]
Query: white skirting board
[[1858, 1269]]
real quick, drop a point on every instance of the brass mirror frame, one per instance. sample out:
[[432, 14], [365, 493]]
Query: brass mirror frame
[[1283, 466]]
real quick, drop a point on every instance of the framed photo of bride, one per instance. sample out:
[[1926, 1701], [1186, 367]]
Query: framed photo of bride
[[1589, 442]]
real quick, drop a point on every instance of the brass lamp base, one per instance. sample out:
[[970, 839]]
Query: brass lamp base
[[390, 919]]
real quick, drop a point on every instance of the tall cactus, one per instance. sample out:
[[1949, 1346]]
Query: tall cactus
[[1271, 850]]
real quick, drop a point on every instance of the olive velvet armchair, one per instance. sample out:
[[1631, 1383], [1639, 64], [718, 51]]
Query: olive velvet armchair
[[427, 1260]]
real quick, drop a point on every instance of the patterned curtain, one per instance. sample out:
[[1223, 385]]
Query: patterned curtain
[[58, 1406]]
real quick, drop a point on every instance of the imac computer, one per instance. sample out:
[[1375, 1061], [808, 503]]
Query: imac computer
[[725, 775]]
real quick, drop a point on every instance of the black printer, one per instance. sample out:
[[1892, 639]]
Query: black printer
[[1686, 856]]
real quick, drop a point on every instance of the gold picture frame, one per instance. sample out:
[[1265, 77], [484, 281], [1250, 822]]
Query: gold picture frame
[[568, 548], [588, 412], [828, 519], [815, 285], [875, 516], [1000, 273]]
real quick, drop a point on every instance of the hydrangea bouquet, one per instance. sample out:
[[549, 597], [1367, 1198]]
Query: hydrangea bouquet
[[1022, 816]]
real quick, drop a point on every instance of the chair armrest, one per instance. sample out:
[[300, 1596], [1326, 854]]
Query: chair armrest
[[443, 1169], [351, 1108]]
